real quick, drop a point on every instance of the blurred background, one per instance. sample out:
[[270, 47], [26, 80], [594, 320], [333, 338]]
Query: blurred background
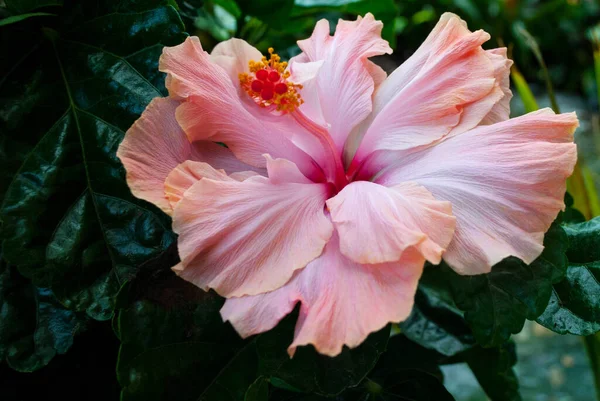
[[556, 48]]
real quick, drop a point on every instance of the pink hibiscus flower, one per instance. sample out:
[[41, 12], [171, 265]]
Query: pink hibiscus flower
[[337, 182]]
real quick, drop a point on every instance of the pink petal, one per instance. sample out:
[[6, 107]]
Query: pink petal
[[217, 110], [249, 237], [182, 177], [342, 302], [233, 56], [501, 110], [505, 181], [305, 73], [446, 87], [155, 144], [377, 224], [345, 81]]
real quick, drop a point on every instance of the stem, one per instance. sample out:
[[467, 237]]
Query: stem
[[592, 346]]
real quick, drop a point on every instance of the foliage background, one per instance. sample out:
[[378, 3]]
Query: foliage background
[[89, 307]]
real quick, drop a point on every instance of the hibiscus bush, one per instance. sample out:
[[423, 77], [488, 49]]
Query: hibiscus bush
[[156, 199]]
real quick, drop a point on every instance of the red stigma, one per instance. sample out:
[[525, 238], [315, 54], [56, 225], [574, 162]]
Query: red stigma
[[262, 75], [281, 88], [267, 82], [256, 85], [267, 94], [274, 76]]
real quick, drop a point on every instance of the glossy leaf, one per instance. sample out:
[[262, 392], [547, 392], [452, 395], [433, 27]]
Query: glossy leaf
[[574, 307], [405, 372], [493, 369], [183, 353], [34, 327], [311, 372], [175, 346], [85, 372], [497, 304], [435, 322], [70, 222]]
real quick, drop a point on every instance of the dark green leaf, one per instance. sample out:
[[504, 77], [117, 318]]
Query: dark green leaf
[[16, 18], [405, 372], [311, 372], [435, 322], [575, 303], [274, 14], [258, 391], [34, 327], [70, 222], [571, 215], [182, 353], [497, 304], [24, 6], [85, 372], [493, 369]]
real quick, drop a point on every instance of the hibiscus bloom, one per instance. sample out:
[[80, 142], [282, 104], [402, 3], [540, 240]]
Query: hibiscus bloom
[[337, 182]]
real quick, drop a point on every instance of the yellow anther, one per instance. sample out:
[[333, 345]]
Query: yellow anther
[[269, 89]]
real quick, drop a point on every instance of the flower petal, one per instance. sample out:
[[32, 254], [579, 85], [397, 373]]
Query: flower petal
[[377, 224], [446, 86], [249, 237], [501, 110], [233, 56], [345, 81], [216, 109], [182, 177], [342, 302], [505, 181], [155, 144]]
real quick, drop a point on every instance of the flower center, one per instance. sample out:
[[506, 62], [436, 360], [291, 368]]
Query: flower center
[[268, 84]]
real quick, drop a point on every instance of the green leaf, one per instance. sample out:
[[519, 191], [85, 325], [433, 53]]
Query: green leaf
[[24, 6], [258, 391], [310, 372], [435, 322], [230, 6], [275, 14], [34, 327], [16, 18], [175, 346], [70, 221], [85, 372], [497, 304], [493, 369], [574, 307], [405, 372], [571, 214], [182, 353]]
